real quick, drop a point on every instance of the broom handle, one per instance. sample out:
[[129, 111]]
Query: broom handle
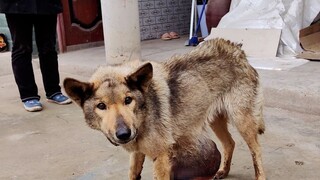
[[202, 10]]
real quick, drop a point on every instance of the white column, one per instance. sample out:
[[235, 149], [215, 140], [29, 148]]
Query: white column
[[121, 30]]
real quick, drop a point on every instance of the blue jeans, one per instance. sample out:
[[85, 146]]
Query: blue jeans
[[21, 26]]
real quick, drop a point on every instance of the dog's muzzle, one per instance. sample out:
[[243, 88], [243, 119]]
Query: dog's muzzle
[[123, 134], [121, 137]]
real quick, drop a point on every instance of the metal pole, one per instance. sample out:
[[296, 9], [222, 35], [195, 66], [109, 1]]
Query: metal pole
[[192, 18]]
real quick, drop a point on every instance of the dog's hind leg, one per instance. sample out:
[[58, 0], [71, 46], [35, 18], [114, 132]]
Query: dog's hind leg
[[220, 127], [247, 125], [136, 165]]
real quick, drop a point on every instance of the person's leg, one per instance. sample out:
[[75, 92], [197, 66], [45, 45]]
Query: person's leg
[[20, 27], [45, 32]]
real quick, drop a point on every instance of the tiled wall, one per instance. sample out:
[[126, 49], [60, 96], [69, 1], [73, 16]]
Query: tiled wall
[[160, 16]]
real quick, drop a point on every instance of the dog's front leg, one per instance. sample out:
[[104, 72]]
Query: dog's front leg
[[162, 167], [136, 165]]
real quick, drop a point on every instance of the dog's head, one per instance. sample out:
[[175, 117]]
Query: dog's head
[[113, 100]]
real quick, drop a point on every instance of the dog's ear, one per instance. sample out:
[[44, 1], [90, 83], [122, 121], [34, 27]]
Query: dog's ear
[[78, 91], [141, 78]]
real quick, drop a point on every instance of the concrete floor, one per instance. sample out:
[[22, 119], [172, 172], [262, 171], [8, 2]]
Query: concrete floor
[[57, 144]]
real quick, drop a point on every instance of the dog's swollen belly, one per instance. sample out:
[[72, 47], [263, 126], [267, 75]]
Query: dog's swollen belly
[[191, 157], [195, 166]]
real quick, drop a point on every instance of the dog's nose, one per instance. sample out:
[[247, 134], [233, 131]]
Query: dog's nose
[[123, 134]]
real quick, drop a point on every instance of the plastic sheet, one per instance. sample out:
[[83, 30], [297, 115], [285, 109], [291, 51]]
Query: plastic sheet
[[288, 15]]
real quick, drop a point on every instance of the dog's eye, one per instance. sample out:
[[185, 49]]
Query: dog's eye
[[101, 106], [127, 100]]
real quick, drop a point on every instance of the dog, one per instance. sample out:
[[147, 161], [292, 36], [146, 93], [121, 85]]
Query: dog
[[165, 111]]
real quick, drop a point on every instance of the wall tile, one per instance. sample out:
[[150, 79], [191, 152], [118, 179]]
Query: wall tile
[[147, 5], [149, 21], [161, 19], [160, 16]]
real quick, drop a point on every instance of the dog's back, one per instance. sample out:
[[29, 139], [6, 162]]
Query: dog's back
[[213, 79]]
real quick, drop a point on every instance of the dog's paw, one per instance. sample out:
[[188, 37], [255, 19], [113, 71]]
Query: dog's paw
[[138, 177], [221, 174]]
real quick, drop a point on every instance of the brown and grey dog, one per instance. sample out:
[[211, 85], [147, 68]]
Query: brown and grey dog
[[164, 110]]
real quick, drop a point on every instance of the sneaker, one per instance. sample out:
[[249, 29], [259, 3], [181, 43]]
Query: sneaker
[[59, 98], [32, 105]]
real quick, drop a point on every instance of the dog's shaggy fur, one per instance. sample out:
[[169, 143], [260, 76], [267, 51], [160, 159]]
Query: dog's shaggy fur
[[163, 110]]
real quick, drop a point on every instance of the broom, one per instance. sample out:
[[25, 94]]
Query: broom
[[193, 41]]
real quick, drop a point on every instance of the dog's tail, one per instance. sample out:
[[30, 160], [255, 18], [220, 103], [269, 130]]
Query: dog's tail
[[258, 110]]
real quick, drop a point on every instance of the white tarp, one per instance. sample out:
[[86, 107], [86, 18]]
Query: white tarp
[[288, 15]]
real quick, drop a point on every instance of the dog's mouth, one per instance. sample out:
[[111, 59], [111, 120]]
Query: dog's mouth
[[117, 142]]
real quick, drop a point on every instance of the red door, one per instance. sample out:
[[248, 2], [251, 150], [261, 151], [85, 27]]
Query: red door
[[80, 24]]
